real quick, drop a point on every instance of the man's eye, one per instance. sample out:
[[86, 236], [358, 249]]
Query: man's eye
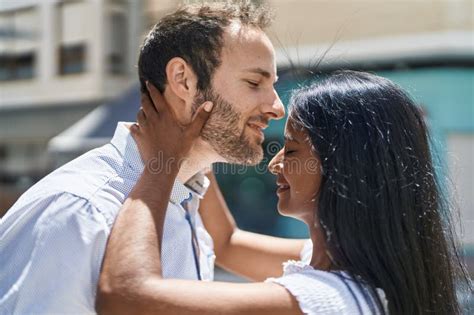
[[289, 152], [253, 84]]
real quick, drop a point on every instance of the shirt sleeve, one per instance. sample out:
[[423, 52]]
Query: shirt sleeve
[[307, 252], [314, 295], [325, 293], [63, 268]]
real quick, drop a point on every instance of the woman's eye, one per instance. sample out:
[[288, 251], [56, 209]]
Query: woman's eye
[[289, 152]]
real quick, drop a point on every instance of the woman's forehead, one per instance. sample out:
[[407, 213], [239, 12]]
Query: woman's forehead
[[293, 132]]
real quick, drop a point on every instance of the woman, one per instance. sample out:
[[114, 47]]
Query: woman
[[356, 168]]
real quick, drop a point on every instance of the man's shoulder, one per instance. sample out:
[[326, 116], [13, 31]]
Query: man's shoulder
[[56, 240], [98, 177], [83, 175]]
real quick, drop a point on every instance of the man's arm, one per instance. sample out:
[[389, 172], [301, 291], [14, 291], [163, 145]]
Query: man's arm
[[254, 256]]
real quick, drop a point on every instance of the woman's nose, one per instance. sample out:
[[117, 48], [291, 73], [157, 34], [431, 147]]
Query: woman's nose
[[276, 164]]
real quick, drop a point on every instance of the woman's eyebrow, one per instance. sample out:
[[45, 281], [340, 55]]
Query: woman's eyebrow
[[288, 137]]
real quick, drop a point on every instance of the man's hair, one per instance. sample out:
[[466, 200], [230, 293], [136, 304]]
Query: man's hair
[[195, 33]]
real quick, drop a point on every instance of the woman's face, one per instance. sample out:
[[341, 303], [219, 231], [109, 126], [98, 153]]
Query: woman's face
[[298, 173]]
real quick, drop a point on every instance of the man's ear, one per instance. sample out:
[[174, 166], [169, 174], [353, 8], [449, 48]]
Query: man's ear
[[181, 80]]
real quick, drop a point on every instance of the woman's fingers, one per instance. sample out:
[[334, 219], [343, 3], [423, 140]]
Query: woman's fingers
[[147, 105], [157, 99], [159, 131], [135, 130], [199, 119], [159, 102], [141, 117]]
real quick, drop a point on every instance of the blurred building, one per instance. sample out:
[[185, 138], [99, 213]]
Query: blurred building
[[58, 60], [61, 59], [425, 46], [310, 25]]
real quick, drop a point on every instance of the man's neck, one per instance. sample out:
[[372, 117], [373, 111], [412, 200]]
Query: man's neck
[[189, 168], [200, 158]]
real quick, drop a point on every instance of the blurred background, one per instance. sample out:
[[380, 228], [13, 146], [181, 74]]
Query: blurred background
[[68, 74]]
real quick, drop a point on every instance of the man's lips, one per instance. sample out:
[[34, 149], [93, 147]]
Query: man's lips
[[258, 125], [258, 128]]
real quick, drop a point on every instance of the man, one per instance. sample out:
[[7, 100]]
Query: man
[[53, 239]]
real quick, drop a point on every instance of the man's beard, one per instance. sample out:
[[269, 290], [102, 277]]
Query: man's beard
[[223, 133]]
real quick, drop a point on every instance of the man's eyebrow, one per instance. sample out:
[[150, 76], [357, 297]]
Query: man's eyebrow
[[262, 72]]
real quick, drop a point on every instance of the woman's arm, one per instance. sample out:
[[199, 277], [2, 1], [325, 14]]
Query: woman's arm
[[131, 281], [169, 297], [254, 256]]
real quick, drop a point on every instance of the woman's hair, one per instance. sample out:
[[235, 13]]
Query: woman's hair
[[384, 216]]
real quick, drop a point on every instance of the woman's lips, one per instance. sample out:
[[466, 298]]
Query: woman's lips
[[282, 187]]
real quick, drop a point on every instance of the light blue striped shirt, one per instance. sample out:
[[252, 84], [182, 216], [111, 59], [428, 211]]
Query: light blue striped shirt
[[52, 241]]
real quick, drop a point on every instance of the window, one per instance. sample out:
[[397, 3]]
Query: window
[[3, 152], [18, 44], [73, 37], [17, 66], [117, 45], [71, 58], [117, 50]]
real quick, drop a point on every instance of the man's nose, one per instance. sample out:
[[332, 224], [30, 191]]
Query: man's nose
[[274, 107]]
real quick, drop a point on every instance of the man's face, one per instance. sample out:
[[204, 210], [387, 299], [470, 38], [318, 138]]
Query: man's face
[[243, 95]]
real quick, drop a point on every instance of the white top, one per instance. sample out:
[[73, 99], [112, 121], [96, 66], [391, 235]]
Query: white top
[[326, 293], [52, 240]]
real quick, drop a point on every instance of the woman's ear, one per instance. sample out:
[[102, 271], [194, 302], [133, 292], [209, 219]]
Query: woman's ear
[[181, 80]]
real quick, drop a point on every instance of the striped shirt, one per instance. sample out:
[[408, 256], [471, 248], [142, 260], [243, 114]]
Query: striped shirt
[[52, 241]]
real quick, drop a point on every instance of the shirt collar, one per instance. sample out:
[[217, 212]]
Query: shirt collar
[[125, 144], [199, 184]]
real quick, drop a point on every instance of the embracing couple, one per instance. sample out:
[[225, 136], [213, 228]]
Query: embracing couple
[[130, 227]]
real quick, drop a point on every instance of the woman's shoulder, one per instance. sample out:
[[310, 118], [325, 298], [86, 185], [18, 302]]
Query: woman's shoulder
[[323, 292]]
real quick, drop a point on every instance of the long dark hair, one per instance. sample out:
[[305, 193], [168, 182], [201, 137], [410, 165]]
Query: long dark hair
[[385, 218]]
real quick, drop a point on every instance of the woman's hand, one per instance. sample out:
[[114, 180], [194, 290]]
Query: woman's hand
[[162, 141]]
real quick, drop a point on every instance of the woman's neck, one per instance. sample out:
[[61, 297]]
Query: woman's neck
[[320, 259]]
